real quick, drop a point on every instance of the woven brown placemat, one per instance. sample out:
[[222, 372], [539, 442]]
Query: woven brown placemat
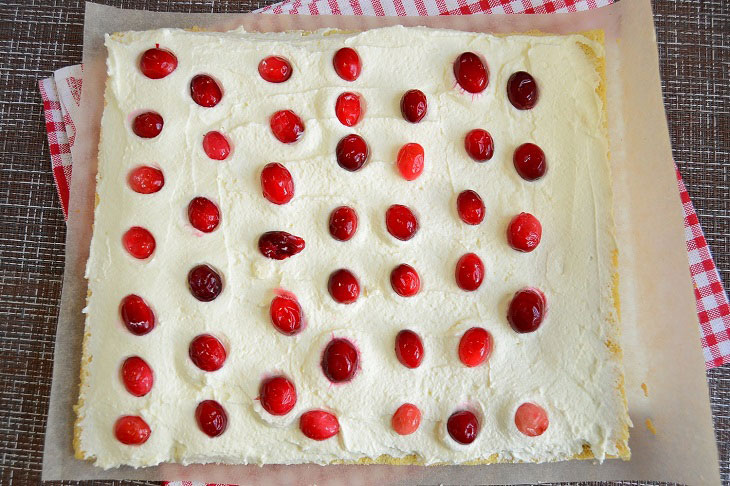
[[37, 37]]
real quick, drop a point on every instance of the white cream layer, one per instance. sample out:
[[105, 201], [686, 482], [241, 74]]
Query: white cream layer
[[565, 366]]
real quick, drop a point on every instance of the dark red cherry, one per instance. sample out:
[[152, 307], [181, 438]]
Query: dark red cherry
[[204, 283], [401, 222], [343, 223], [339, 360], [203, 214], [352, 152], [207, 352], [470, 207], [522, 90], [148, 124], [409, 348], [137, 315], [279, 245], [413, 105], [205, 91], [526, 310], [211, 417], [529, 161], [463, 426]]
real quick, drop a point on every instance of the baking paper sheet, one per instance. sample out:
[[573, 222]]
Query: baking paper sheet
[[661, 340]]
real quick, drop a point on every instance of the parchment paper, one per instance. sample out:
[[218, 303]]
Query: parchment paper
[[661, 339]]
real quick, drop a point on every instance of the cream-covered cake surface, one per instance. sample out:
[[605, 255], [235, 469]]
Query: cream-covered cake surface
[[571, 366]]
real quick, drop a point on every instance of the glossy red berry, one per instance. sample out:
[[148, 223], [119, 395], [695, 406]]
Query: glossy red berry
[[471, 73], [522, 90], [343, 223], [400, 222], [279, 245], [137, 315], [343, 286], [409, 348], [339, 360], [211, 417], [526, 310], [410, 161], [131, 430], [469, 272], [286, 126], [475, 347], [277, 184], [137, 376], [479, 145], [352, 152], [405, 280], [205, 91], [318, 424], [145, 179], [157, 63], [463, 426], [470, 207], [148, 124], [277, 395], [139, 242], [207, 352], [524, 232], [348, 109], [406, 419], [531, 419], [204, 283], [347, 64], [529, 161], [203, 214], [216, 146], [413, 105], [286, 315], [275, 69]]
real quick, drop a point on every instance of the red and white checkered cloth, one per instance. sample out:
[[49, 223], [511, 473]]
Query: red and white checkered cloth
[[62, 93]]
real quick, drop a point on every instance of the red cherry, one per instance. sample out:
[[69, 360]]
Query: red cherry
[[339, 360], [137, 376], [469, 272], [286, 315], [522, 90], [318, 424], [275, 69], [286, 126], [463, 426], [409, 348], [137, 315], [204, 283], [277, 395], [470, 207], [216, 146], [406, 419], [343, 223], [526, 310], [277, 184], [203, 214], [413, 105], [352, 152], [343, 286], [531, 419], [131, 430], [139, 242], [348, 109], [405, 280], [347, 64], [475, 347], [205, 91], [145, 179], [148, 124], [524, 232], [207, 352], [157, 63], [479, 145], [211, 417], [471, 73], [279, 245], [410, 161], [529, 160], [401, 222]]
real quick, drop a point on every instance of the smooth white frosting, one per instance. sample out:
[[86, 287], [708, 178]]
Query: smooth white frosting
[[565, 366]]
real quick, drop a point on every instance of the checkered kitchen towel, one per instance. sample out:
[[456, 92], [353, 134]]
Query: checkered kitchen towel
[[61, 96]]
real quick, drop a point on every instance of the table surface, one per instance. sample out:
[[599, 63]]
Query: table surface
[[39, 36]]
